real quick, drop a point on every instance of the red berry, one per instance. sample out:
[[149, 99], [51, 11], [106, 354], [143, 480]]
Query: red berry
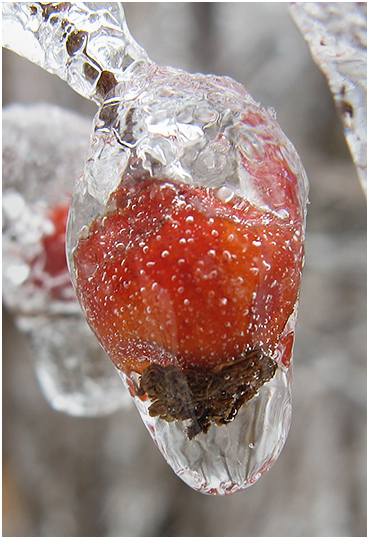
[[49, 269], [172, 275]]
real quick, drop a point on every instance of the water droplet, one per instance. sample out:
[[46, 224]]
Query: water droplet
[[165, 253]]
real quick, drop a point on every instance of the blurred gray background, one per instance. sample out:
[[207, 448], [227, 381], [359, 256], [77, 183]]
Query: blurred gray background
[[65, 476]]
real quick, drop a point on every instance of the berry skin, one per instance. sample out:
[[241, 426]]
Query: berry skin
[[172, 275]]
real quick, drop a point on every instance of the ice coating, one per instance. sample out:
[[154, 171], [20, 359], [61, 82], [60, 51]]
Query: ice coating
[[232, 457], [86, 44], [40, 160], [175, 153], [336, 34], [27, 228], [198, 129], [37, 193], [186, 248]]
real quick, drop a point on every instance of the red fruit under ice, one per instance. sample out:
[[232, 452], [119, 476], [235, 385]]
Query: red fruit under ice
[[173, 275], [189, 294], [49, 267]]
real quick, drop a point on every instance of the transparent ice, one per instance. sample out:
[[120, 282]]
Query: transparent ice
[[234, 456], [79, 42], [336, 33], [73, 370], [186, 128]]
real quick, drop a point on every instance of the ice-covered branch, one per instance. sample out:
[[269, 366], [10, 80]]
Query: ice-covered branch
[[337, 36], [86, 44]]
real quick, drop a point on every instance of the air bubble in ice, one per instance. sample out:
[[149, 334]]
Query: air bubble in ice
[[225, 194]]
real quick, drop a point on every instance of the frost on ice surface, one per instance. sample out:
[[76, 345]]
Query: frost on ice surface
[[337, 36]]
